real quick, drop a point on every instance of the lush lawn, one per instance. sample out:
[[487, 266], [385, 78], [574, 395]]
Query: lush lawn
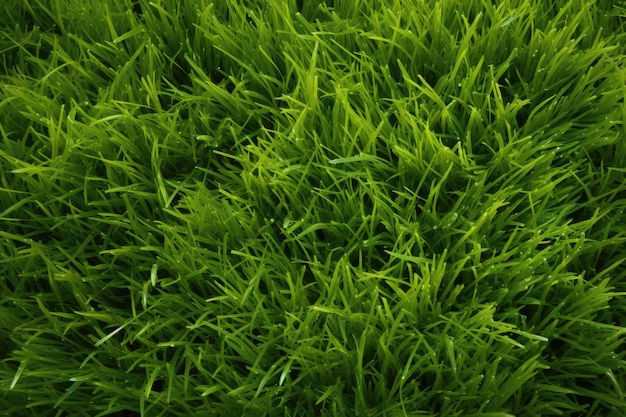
[[342, 208]]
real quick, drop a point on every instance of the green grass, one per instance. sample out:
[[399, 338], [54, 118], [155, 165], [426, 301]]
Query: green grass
[[312, 208]]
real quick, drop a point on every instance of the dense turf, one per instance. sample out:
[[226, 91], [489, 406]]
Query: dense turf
[[348, 208]]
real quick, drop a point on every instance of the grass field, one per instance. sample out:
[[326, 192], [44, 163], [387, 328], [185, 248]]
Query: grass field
[[312, 208]]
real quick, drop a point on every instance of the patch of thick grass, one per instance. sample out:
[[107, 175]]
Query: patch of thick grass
[[348, 208]]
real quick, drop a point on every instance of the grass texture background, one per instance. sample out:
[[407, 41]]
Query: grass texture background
[[312, 208]]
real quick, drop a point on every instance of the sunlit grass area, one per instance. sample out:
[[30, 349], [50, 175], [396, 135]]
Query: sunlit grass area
[[312, 208]]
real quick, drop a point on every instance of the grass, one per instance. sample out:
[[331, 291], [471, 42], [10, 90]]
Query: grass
[[288, 208]]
